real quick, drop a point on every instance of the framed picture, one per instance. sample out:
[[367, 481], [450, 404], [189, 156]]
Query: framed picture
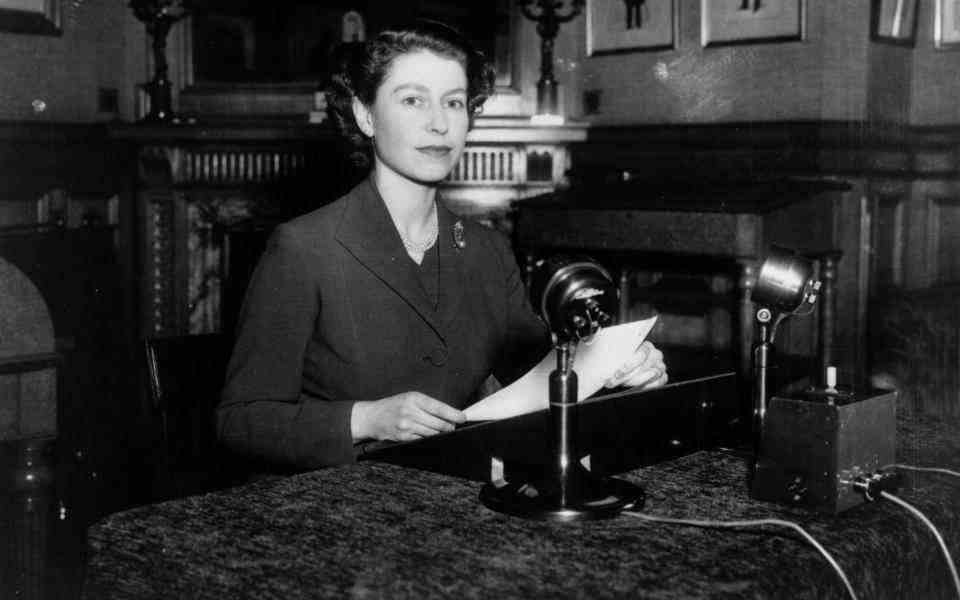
[[631, 25], [894, 22], [946, 33], [726, 22], [41, 17]]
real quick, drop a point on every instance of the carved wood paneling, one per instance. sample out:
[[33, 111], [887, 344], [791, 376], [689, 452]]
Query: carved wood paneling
[[159, 268], [236, 167], [490, 165], [214, 166], [888, 240], [184, 265]]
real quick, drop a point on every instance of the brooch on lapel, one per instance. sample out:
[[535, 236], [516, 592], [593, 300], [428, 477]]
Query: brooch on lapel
[[459, 239]]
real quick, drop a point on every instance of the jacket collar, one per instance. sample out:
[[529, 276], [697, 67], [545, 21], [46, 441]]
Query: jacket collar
[[368, 233]]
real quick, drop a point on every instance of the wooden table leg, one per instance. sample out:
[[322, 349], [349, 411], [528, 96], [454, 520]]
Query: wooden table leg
[[827, 302], [745, 327]]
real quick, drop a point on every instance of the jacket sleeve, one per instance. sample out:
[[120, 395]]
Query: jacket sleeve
[[527, 339], [263, 413]]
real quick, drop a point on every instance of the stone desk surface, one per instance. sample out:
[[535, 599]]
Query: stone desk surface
[[382, 531]]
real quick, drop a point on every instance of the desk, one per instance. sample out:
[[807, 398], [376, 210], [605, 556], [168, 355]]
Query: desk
[[382, 531], [726, 221]]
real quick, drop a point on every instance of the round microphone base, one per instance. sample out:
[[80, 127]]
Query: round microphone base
[[601, 498]]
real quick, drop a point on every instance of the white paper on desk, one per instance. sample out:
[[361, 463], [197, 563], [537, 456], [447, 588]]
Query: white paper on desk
[[594, 364]]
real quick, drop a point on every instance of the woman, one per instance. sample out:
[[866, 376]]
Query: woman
[[379, 315]]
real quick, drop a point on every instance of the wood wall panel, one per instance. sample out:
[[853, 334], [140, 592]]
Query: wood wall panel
[[946, 225], [888, 243]]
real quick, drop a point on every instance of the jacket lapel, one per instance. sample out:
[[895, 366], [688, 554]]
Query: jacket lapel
[[450, 284], [368, 233]]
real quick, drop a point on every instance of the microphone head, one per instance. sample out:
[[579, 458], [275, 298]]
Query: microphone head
[[785, 281], [574, 295]]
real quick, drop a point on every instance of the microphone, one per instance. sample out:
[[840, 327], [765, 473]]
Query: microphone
[[575, 296], [785, 282]]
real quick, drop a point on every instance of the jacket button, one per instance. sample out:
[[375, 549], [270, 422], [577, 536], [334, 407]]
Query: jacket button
[[437, 357]]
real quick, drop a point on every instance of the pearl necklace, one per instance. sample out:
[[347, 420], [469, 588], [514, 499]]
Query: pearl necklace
[[420, 248]]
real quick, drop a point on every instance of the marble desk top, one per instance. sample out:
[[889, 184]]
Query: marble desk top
[[374, 530]]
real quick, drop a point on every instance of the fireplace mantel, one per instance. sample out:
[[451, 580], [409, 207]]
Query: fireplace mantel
[[197, 180], [504, 130]]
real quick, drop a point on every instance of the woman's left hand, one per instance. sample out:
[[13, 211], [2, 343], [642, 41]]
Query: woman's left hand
[[645, 368]]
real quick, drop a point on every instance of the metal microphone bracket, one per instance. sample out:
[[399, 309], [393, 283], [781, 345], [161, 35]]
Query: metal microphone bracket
[[576, 298], [785, 284]]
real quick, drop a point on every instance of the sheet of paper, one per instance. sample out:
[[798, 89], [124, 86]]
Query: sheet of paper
[[594, 363]]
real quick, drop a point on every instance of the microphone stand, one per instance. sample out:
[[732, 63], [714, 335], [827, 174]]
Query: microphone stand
[[784, 284], [568, 491], [563, 427], [768, 320], [761, 365]]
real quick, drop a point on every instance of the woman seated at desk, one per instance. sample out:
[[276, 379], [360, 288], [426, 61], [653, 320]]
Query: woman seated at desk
[[379, 315]]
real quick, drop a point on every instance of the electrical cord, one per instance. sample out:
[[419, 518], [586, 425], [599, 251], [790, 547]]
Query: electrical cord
[[876, 485], [933, 529], [753, 523], [923, 469]]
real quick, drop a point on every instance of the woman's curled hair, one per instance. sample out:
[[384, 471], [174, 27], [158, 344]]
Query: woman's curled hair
[[362, 67]]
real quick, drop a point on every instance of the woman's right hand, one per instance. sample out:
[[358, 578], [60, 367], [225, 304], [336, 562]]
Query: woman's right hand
[[403, 417]]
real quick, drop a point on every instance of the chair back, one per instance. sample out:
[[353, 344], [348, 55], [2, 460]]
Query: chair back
[[185, 375]]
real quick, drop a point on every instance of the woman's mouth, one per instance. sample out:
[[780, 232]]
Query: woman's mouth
[[435, 151]]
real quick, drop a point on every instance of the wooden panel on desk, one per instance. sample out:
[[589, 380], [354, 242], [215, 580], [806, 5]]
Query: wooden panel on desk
[[715, 218], [640, 230]]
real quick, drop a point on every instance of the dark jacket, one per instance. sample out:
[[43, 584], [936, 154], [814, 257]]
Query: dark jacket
[[336, 312]]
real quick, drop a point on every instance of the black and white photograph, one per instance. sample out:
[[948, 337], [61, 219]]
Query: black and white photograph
[[630, 25], [479, 299], [947, 24], [30, 16], [750, 21], [895, 21]]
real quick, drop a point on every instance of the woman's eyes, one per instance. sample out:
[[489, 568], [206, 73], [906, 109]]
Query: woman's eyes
[[420, 102], [416, 101]]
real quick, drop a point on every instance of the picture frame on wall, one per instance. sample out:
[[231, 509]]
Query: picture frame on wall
[[726, 22], [894, 22], [615, 26], [35, 17], [946, 33]]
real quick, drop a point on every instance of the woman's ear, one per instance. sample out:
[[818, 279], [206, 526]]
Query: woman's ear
[[363, 116]]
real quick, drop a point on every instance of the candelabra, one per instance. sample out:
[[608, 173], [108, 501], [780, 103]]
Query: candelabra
[[159, 16], [548, 15]]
